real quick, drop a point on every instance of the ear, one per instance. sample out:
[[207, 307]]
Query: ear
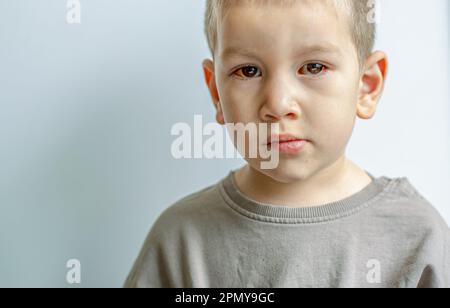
[[372, 83], [208, 70]]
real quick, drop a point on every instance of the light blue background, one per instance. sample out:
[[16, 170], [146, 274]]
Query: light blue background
[[86, 112]]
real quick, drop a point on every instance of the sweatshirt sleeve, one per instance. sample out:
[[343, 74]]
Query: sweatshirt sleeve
[[149, 269], [437, 273], [446, 272], [157, 265]]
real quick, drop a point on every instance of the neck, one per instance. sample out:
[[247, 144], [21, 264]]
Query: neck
[[333, 183]]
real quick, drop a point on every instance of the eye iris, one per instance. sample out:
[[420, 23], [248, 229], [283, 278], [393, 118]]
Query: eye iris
[[315, 68], [249, 71]]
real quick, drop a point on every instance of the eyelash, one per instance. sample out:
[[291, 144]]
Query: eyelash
[[324, 71]]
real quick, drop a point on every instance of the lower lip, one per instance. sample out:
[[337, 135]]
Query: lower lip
[[291, 147]]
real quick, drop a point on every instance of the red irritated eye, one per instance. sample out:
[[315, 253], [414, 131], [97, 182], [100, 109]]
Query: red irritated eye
[[313, 69]]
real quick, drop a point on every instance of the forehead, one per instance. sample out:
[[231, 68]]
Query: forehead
[[312, 26]]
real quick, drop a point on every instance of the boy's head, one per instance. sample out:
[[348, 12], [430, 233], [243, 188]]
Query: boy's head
[[306, 65], [359, 15]]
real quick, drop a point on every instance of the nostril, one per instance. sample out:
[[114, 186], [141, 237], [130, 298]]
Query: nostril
[[292, 115]]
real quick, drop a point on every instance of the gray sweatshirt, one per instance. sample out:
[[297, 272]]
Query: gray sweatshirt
[[386, 235]]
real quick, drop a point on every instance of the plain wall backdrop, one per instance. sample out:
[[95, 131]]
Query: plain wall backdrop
[[86, 111]]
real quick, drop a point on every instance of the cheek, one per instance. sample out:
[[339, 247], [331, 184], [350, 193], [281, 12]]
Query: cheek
[[334, 119], [239, 106], [335, 129]]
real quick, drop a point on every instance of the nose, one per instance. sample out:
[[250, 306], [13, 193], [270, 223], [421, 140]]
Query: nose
[[279, 102]]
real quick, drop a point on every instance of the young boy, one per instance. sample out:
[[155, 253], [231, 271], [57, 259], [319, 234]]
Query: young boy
[[317, 219]]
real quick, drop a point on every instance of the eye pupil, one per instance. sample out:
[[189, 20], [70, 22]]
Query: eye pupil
[[250, 71], [315, 68]]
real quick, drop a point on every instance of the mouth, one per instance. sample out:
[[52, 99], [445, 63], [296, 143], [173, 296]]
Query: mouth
[[287, 144], [284, 138]]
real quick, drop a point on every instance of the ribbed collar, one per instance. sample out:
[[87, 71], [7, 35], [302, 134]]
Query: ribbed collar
[[301, 215]]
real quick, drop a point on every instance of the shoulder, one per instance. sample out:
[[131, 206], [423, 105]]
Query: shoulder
[[167, 240], [402, 202], [190, 213], [193, 204]]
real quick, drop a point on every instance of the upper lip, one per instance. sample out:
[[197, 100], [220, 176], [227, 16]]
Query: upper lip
[[278, 138]]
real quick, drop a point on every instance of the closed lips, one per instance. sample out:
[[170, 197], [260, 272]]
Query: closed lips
[[283, 138]]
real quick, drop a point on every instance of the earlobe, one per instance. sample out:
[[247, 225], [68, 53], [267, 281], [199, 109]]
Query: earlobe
[[219, 116], [365, 109], [372, 84], [208, 70]]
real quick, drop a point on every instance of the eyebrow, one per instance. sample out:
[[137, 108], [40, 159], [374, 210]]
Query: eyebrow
[[305, 50]]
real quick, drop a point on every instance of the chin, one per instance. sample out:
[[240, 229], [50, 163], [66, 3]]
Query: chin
[[286, 173]]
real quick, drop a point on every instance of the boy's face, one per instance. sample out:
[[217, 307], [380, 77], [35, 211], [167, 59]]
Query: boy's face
[[298, 67]]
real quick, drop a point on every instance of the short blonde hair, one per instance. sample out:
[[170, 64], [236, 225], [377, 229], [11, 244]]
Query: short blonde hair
[[363, 30]]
